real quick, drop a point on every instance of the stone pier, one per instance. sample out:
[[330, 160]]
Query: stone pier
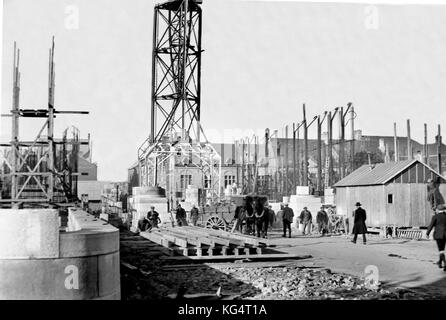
[[40, 260]]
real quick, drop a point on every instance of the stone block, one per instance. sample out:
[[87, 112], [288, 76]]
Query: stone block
[[109, 274], [302, 190], [29, 233], [49, 279]]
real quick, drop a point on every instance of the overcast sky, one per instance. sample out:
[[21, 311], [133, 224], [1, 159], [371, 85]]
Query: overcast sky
[[262, 60]]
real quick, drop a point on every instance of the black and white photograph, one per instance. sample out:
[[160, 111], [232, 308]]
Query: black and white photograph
[[238, 152]]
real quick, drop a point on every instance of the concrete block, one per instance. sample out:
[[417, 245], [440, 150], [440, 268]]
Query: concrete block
[[49, 279], [88, 243], [302, 190], [29, 233], [156, 191], [329, 200], [109, 274]]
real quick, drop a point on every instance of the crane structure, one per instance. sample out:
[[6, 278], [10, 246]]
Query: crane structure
[[175, 130], [42, 172]]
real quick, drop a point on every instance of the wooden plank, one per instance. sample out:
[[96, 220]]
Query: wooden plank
[[238, 257], [217, 240], [159, 240], [245, 238], [181, 238], [233, 240], [181, 242]]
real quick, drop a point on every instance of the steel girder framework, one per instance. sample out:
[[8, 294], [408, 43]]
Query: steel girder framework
[[160, 166], [176, 68], [39, 172], [175, 109]]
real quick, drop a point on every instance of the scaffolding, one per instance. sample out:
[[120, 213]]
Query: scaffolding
[[42, 172]]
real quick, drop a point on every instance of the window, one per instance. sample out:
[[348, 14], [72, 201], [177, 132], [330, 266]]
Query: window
[[207, 182], [229, 180], [185, 180], [390, 198]]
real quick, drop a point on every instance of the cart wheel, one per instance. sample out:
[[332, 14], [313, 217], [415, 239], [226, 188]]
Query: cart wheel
[[216, 223]]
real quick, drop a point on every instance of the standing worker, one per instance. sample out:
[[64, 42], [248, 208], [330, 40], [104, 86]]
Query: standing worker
[[322, 221], [359, 227], [194, 213], [434, 196], [306, 219], [271, 218], [181, 216], [439, 222], [239, 218], [287, 218]]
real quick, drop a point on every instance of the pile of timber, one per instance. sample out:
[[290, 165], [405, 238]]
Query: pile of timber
[[198, 243]]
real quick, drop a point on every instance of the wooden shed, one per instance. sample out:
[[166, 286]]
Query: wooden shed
[[392, 193]]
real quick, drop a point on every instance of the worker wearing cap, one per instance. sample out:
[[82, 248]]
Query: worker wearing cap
[[305, 219], [287, 219], [322, 221], [154, 218], [180, 216], [439, 223], [194, 213]]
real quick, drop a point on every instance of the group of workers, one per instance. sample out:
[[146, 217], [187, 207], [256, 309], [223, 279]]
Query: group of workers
[[255, 218]]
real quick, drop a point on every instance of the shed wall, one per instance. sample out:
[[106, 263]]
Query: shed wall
[[372, 199], [410, 207]]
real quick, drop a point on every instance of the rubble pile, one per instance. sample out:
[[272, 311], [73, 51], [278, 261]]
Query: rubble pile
[[291, 283]]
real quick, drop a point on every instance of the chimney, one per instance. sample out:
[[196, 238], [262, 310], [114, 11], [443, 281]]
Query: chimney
[[419, 156]]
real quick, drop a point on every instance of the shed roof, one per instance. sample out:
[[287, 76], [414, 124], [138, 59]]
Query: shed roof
[[377, 174]]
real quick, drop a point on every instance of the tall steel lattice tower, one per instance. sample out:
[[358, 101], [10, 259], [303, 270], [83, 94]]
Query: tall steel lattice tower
[[175, 128], [176, 68]]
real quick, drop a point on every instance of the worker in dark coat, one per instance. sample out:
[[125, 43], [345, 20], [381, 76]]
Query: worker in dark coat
[[287, 219], [194, 214], [359, 227], [439, 222], [239, 218], [434, 196], [271, 217], [180, 216], [305, 219], [155, 220], [322, 221]]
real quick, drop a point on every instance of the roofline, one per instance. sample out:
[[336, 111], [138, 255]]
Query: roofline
[[439, 174], [404, 168], [392, 177]]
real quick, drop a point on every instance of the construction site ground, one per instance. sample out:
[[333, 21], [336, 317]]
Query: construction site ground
[[335, 270]]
